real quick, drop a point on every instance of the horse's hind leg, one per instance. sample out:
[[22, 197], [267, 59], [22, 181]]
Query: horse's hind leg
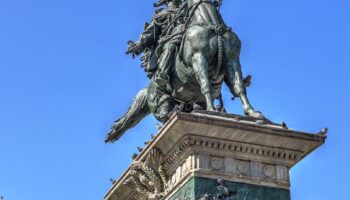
[[234, 81], [200, 67]]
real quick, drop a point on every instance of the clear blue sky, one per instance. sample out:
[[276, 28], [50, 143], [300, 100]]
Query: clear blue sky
[[64, 78]]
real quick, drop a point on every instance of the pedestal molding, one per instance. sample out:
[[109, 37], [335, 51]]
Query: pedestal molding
[[215, 146]]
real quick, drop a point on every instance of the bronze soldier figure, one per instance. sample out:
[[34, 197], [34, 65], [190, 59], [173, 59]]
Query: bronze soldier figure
[[161, 39], [168, 45], [195, 53]]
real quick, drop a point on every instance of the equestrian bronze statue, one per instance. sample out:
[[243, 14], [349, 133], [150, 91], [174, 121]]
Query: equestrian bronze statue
[[188, 53]]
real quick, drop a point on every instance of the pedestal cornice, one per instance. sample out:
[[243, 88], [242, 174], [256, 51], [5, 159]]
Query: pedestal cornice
[[213, 145]]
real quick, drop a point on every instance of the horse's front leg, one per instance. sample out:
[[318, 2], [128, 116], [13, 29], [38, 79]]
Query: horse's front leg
[[234, 81], [200, 67]]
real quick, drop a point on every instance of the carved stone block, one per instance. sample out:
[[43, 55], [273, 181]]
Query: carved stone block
[[269, 171], [230, 165], [217, 163], [243, 167], [192, 151]]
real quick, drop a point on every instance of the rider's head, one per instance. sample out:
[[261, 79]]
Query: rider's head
[[174, 3], [168, 3]]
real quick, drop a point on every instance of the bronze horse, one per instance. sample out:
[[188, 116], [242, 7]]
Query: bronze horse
[[208, 57]]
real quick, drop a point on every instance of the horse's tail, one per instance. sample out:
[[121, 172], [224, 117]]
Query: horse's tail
[[138, 110], [220, 54]]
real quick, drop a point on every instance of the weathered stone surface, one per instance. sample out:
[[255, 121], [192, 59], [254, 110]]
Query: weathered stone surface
[[211, 146]]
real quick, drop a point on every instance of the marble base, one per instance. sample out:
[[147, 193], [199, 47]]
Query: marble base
[[252, 156]]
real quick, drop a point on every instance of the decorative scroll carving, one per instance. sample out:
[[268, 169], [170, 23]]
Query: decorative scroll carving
[[221, 193], [149, 176]]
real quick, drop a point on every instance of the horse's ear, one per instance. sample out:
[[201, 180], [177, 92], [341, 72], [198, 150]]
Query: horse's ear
[[217, 3], [247, 81]]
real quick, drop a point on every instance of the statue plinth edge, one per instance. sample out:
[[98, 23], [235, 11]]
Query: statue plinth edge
[[205, 146]]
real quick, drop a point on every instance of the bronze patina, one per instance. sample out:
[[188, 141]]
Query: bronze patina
[[188, 54]]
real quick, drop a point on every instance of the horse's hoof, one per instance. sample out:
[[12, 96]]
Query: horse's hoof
[[255, 114], [197, 107], [211, 109]]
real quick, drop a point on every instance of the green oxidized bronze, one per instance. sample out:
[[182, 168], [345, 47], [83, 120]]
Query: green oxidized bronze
[[222, 192], [188, 53], [209, 189]]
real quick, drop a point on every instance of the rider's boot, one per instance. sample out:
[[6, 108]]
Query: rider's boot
[[164, 64], [161, 79]]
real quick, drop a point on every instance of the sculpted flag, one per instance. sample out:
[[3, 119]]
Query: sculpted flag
[[188, 54]]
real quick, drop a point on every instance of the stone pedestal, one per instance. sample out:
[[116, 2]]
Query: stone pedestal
[[215, 156]]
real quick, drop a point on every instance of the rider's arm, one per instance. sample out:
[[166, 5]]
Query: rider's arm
[[150, 36]]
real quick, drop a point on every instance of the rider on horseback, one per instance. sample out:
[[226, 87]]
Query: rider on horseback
[[209, 58], [163, 36]]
